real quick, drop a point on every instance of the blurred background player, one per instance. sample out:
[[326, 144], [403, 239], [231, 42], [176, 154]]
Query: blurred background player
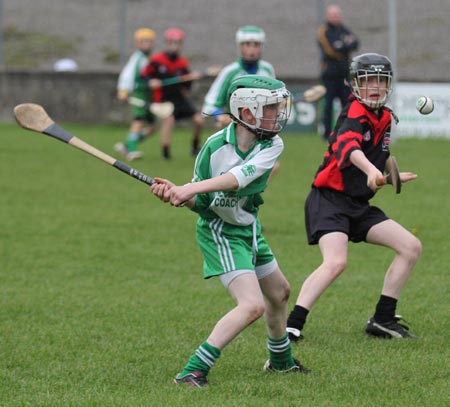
[[336, 42], [338, 210], [131, 84], [169, 65], [250, 41], [231, 172]]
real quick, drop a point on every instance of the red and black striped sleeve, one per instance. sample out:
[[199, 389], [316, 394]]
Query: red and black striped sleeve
[[349, 136]]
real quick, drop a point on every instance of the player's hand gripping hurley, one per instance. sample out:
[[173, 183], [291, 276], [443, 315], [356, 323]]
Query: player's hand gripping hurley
[[33, 117]]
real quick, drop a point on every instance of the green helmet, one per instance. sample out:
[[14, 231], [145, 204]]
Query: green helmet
[[254, 92], [250, 33]]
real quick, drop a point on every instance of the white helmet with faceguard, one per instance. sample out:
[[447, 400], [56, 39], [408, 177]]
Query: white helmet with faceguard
[[367, 66], [250, 55], [258, 94], [250, 33]]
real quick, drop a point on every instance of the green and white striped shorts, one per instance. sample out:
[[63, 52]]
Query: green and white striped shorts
[[228, 248]]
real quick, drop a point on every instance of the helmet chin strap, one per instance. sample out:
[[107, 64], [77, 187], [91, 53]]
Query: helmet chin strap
[[265, 134], [375, 105], [260, 134]]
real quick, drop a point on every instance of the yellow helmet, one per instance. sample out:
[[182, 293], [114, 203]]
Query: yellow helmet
[[144, 34]]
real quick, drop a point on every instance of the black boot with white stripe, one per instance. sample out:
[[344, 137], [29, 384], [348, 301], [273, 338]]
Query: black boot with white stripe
[[389, 330]]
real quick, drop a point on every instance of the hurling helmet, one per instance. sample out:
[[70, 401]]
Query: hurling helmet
[[174, 34], [250, 33], [371, 65], [144, 34], [255, 92]]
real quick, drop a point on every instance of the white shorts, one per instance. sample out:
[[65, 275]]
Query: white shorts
[[260, 271]]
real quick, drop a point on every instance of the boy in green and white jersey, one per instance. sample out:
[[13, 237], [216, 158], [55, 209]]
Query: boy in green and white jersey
[[250, 41], [231, 172], [131, 84]]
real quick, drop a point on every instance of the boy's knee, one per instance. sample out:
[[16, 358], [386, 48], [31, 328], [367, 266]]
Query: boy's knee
[[255, 311], [336, 266], [285, 292], [198, 120], [414, 249]]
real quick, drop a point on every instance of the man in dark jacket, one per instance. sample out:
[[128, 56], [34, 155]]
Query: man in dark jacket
[[336, 43]]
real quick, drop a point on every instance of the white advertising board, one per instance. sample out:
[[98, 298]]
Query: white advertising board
[[414, 124]]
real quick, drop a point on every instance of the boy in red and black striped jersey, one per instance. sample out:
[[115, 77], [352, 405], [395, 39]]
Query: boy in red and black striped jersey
[[168, 66], [338, 210]]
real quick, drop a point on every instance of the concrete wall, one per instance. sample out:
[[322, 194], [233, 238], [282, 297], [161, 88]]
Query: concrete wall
[[77, 97], [93, 30], [68, 97]]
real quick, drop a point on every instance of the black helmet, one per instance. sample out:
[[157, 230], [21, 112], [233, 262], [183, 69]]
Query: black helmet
[[370, 65]]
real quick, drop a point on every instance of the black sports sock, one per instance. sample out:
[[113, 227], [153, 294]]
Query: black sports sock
[[166, 152], [297, 317], [385, 310]]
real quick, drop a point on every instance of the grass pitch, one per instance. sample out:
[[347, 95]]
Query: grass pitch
[[102, 298]]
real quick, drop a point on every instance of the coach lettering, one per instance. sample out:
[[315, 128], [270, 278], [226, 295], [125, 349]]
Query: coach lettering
[[225, 202]]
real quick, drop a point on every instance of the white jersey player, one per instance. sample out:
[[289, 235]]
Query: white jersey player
[[250, 41], [231, 172]]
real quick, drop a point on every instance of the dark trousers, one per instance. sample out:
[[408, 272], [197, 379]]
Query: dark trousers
[[336, 88]]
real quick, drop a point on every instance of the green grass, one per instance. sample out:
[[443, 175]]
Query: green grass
[[102, 298]]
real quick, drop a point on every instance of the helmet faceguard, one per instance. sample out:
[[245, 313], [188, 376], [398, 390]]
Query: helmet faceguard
[[363, 69], [268, 101]]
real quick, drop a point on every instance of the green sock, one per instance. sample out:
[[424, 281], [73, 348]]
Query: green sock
[[132, 141], [203, 359], [280, 353]]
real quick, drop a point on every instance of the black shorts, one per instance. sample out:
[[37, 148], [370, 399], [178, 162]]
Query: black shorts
[[183, 109], [331, 211]]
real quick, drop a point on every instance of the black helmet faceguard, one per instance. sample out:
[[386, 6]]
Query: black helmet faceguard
[[370, 65]]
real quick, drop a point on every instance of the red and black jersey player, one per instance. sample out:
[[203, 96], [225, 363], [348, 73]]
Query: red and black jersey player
[[337, 209], [170, 65]]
